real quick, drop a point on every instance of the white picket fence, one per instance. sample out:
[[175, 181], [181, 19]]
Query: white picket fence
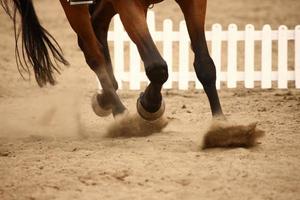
[[183, 75]]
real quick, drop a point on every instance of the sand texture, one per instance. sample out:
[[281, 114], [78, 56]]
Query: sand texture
[[52, 145]]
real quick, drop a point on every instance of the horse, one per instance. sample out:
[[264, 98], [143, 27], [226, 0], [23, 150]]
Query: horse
[[91, 24]]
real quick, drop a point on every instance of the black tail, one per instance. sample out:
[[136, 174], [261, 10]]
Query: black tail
[[39, 48]]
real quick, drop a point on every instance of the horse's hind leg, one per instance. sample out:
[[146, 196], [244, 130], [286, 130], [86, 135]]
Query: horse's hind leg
[[101, 15], [194, 13], [133, 17], [79, 19]]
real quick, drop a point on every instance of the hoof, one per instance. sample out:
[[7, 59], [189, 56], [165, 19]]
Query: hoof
[[98, 110], [148, 115]]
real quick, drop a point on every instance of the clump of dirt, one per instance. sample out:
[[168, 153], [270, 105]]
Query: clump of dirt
[[133, 125], [231, 134]]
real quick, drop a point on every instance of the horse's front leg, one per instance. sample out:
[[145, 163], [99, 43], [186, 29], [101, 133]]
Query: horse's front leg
[[194, 13], [79, 19], [133, 16]]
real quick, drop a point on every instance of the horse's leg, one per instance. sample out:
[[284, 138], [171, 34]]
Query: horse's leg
[[79, 19], [194, 13], [133, 17], [101, 15]]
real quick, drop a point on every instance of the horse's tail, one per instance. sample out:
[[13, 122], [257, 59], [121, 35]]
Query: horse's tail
[[39, 48]]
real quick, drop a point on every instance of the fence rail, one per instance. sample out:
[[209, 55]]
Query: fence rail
[[183, 76]]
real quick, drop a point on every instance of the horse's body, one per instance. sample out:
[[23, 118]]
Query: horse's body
[[91, 23]]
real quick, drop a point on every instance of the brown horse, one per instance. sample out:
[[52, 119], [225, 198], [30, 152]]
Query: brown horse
[[91, 24]]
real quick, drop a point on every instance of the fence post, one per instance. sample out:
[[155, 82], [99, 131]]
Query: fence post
[[167, 36], [266, 57], [99, 87], [134, 68], [282, 57], [151, 27], [168, 50], [151, 22], [118, 50], [183, 57], [232, 56], [297, 56], [249, 56], [216, 50]]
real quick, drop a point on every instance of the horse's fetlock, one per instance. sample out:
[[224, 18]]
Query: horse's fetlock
[[157, 72]]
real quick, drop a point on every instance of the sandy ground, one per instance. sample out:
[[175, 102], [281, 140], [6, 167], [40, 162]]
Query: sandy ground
[[52, 144]]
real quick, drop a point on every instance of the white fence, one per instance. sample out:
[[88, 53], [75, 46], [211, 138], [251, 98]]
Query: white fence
[[183, 76]]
